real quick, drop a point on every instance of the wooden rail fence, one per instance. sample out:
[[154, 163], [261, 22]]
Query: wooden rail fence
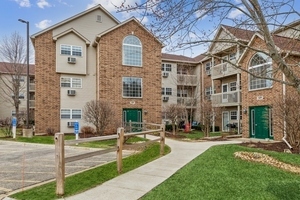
[[61, 160]]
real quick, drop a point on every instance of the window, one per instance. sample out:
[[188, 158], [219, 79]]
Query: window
[[208, 92], [132, 51], [233, 115], [182, 71], [21, 96], [182, 93], [207, 67], [166, 91], [132, 87], [70, 50], [260, 65], [232, 56], [70, 113], [71, 82], [166, 67], [232, 86]]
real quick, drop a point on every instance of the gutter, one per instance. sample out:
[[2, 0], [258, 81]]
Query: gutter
[[284, 120]]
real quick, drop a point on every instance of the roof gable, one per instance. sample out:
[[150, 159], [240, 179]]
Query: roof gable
[[74, 32]]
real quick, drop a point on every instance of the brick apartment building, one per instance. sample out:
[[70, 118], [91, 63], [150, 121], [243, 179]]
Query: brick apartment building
[[94, 56]]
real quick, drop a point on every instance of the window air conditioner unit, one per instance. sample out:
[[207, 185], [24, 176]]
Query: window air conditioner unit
[[70, 124], [165, 98], [165, 74], [71, 92], [71, 60]]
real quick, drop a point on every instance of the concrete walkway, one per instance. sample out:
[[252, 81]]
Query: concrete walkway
[[136, 183]]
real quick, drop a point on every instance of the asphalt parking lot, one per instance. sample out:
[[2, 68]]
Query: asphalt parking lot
[[25, 164]]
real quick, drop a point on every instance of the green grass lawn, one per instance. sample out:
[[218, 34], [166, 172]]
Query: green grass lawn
[[195, 135], [216, 174], [91, 178]]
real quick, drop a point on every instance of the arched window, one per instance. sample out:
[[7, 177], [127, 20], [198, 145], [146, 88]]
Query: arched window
[[132, 51], [260, 65]]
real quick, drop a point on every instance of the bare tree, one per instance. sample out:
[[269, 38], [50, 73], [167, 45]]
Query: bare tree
[[287, 107], [173, 112], [183, 24], [99, 113], [12, 71]]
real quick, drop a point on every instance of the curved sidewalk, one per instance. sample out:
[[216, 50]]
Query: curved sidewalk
[[136, 183]]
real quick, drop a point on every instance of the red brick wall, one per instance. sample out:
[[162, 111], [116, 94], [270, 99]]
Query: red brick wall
[[111, 71], [47, 94]]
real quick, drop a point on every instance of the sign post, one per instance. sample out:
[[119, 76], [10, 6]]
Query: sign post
[[14, 126], [76, 130]]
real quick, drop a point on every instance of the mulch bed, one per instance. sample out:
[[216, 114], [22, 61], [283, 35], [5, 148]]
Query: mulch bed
[[274, 146]]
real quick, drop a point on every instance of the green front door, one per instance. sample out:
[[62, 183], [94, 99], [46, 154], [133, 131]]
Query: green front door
[[260, 122], [133, 115]]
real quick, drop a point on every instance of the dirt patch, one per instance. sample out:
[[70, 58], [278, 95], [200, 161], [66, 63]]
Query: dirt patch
[[272, 146]]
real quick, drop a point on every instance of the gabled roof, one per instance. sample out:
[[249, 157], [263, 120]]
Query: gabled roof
[[122, 24], [177, 58], [285, 27], [71, 30], [199, 57], [237, 33], [5, 68], [75, 17], [283, 44]]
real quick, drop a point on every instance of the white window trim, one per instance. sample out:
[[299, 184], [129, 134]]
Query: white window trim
[[123, 53], [71, 116], [71, 82], [71, 49], [126, 97]]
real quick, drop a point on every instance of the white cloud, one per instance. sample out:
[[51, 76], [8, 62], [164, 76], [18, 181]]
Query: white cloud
[[43, 4], [43, 24], [23, 3], [235, 13]]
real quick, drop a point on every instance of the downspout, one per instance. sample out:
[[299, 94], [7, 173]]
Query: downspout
[[284, 118]]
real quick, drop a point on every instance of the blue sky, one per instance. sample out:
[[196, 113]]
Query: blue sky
[[44, 13]]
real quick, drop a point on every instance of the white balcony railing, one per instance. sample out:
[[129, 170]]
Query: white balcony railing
[[31, 87], [186, 79], [223, 70], [186, 101], [31, 103], [226, 99]]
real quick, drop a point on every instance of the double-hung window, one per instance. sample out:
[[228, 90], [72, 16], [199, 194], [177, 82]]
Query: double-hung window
[[166, 67], [132, 87], [132, 51], [166, 91], [208, 66], [71, 82], [70, 50], [70, 113], [260, 70]]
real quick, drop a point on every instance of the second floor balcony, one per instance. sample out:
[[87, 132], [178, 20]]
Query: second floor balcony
[[31, 87], [223, 70], [187, 101], [188, 80], [226, 99]]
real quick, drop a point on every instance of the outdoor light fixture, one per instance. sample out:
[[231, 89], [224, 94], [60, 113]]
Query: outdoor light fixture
[[27, 73], [245, 111]]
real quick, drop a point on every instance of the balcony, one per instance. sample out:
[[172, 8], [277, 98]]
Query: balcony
[[226, 99], [223, 70], [188, 80], [31, 87], [186, 101], [31, 103]]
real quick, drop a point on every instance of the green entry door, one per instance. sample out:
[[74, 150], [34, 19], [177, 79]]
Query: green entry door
[[133, 115], [260, 122]]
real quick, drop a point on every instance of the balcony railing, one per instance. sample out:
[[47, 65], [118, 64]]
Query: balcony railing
[[31, 87], [226, 99], [223, 70], [186, 79], [31, 103], [186, 101]]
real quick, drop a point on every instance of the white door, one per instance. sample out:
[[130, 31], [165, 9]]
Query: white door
[[224, 93], [225, 121]]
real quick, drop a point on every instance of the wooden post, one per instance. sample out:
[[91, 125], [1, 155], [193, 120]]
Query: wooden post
[[120, 141], [162, 139], [60, 163]]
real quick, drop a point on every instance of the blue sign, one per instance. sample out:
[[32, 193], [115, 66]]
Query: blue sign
[[76, 127], [14, 121]]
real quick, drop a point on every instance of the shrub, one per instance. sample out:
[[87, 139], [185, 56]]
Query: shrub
[[87, 130]]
